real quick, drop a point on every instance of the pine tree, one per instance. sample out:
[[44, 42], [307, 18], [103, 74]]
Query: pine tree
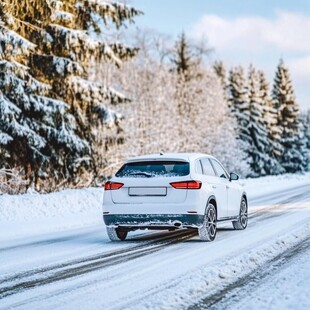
[[183, 58], [305, 135], [220, 71], [238, 103], [50, 114], [185, 65], [257, 127], [273, 148], [288, 115]]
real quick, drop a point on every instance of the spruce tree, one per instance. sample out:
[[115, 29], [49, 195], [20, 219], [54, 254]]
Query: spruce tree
[[305, 135], [284, 102], [187, 71], [238, 103], [273, 148], [257, 127], [220, 71], [50, 113], [183, 57]]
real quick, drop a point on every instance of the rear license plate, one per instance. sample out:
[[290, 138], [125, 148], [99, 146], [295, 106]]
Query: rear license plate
[[147, 191]]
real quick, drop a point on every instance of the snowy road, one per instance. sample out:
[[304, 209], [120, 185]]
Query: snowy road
[[288, 273], [164, 270]]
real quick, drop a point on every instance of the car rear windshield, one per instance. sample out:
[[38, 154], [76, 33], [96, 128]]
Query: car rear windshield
[[150, 169]]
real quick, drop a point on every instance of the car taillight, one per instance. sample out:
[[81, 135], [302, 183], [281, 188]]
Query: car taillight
[[109, 186], [186, 185]]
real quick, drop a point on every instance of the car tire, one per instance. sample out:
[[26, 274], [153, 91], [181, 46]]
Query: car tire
[[242, 221], [207, 231], [115, 234]]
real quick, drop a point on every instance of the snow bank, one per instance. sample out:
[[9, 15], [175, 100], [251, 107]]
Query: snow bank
[[286, 289], [33, 213], [266, 185], [192, 287]]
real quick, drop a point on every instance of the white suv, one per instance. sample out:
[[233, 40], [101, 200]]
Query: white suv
[[173, 191]]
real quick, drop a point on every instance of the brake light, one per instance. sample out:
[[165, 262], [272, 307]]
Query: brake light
[[186, 185], [109, 186]]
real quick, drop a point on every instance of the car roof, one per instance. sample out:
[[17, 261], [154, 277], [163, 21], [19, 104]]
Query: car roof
[[169, 156]]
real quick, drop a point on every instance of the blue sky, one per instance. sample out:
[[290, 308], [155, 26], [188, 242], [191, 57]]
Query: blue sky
[[241, 32]]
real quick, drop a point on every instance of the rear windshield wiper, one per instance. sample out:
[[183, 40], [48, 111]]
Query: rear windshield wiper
[[148, 175]]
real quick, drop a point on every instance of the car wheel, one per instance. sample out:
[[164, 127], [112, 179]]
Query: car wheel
[[115, 234], [207, 231], [242, 221]]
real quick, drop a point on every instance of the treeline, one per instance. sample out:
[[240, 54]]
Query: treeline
[[274, 135], [63, 124], [178, 106], [178, 103]]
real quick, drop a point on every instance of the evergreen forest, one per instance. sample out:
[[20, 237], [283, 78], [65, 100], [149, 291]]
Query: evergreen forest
[[81, 91]]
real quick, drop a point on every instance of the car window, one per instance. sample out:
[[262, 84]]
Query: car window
[[207, 168], [198, 167], [150, 169], [220, 172]]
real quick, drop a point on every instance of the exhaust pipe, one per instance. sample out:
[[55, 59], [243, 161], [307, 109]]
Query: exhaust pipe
[[177, 224]]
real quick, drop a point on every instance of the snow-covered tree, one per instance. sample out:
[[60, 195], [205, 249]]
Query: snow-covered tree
[[187, 56], [238, 103], [183, 58], [238, 100], [284, 102], [155, 123], [305, 136], [257, 127], [270, 117], [50, 113], [220, 71]]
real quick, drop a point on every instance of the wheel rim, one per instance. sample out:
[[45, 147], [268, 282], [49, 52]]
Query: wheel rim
[[211, 222], [243, 213]]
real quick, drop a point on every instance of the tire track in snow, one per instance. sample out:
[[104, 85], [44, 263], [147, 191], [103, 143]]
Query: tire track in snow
[[43, 276], [279, 207], [298, 205], [76, 236], [279, 194]]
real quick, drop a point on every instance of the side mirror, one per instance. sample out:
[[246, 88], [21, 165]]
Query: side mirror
[[233, 176]]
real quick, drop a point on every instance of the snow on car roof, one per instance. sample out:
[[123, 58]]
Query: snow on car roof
[[170, 156]]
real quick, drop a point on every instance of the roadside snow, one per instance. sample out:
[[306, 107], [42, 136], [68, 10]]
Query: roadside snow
[[258, 187], [186, 290], [286, 289], [35, 214]]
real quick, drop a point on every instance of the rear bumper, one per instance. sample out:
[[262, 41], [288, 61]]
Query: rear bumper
[[153, 221]]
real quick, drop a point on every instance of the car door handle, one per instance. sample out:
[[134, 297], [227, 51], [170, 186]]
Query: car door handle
[[213, 186], [227, 186]]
